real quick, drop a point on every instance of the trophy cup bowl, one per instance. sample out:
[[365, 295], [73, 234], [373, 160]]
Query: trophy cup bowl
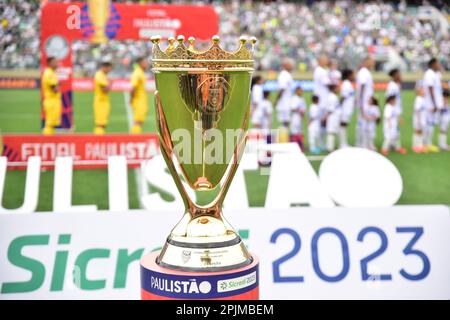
[[202, 103]]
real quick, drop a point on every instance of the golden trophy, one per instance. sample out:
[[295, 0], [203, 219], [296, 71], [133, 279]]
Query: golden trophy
[[99, 14], [202, 102], [206, 94]]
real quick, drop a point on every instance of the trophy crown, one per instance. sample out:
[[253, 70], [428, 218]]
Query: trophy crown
[[179, 57]]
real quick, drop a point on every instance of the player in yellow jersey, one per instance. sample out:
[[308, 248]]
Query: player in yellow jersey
[[139, 101], [52, 97], [102, 105]]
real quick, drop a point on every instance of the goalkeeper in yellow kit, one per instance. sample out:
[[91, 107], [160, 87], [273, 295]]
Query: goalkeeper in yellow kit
[[139, 101], [52, 97], [102, 105]]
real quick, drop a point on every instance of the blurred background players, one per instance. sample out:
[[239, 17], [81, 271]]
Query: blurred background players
[[390, 127], [102, 105], [433, 100], [285, 86], [333, 116], [262, 115], [314, 124], [373, 114], [348, 104], [262, 121], [334, 74], [52, 97], [256, 92], [298, 110], [321, 80], [444, 120], [419, 120], [364, 91], [138, 96], [394, 88]]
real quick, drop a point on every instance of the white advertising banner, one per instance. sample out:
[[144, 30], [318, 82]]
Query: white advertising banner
[[401, 252]]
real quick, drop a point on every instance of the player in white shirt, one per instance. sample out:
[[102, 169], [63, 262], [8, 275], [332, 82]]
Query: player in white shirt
[[262, 115], [433, 100], [364, 91], [334, 74], [321, 80], [257, 92], [390, 127], [372, 112], [298, 109], [315, 119], [285, 86], [394, 88], [444, 120], [333, 115], [262, 122], [419, 120], [347, 103]]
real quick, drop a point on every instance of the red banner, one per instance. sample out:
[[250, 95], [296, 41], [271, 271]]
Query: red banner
[[129, 21], [117, 84], [88, 151], [61, 23]]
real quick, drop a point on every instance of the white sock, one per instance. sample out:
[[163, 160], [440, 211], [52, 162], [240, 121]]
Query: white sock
[[343, 137], [443, 140], [330, 142]]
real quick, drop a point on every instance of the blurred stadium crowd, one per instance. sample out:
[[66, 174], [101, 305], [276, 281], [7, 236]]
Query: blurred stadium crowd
[[397, 35]]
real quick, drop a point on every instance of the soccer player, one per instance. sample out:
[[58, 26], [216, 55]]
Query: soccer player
[[321, 80], [347, 103], [390, 127], [102, 105], [394, 88], [364, 91], [262, 115], [283, 101], [257, 92], [444, 121], [52, 97], [333, 115], [373, 114], [298, 109], [138, 96], [262, 120], [315, 119], [334, 74], [433, 100], [419, 120]]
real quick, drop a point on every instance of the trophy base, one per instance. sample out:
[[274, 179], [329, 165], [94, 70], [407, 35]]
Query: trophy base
[[160, 283], [221, 253]]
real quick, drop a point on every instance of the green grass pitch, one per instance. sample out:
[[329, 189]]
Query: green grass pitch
[[426, 177]]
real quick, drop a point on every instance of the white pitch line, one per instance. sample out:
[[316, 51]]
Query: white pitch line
[[141, 185]]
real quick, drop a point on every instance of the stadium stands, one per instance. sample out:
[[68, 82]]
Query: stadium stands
[[401, 36]]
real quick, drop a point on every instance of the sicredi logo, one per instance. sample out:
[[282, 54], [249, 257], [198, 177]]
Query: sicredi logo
[[236, 283], [180, 286]]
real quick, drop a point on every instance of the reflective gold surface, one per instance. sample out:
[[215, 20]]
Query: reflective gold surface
[[202, 106]]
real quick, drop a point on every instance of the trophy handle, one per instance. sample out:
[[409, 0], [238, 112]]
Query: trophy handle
[[214, 208]]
